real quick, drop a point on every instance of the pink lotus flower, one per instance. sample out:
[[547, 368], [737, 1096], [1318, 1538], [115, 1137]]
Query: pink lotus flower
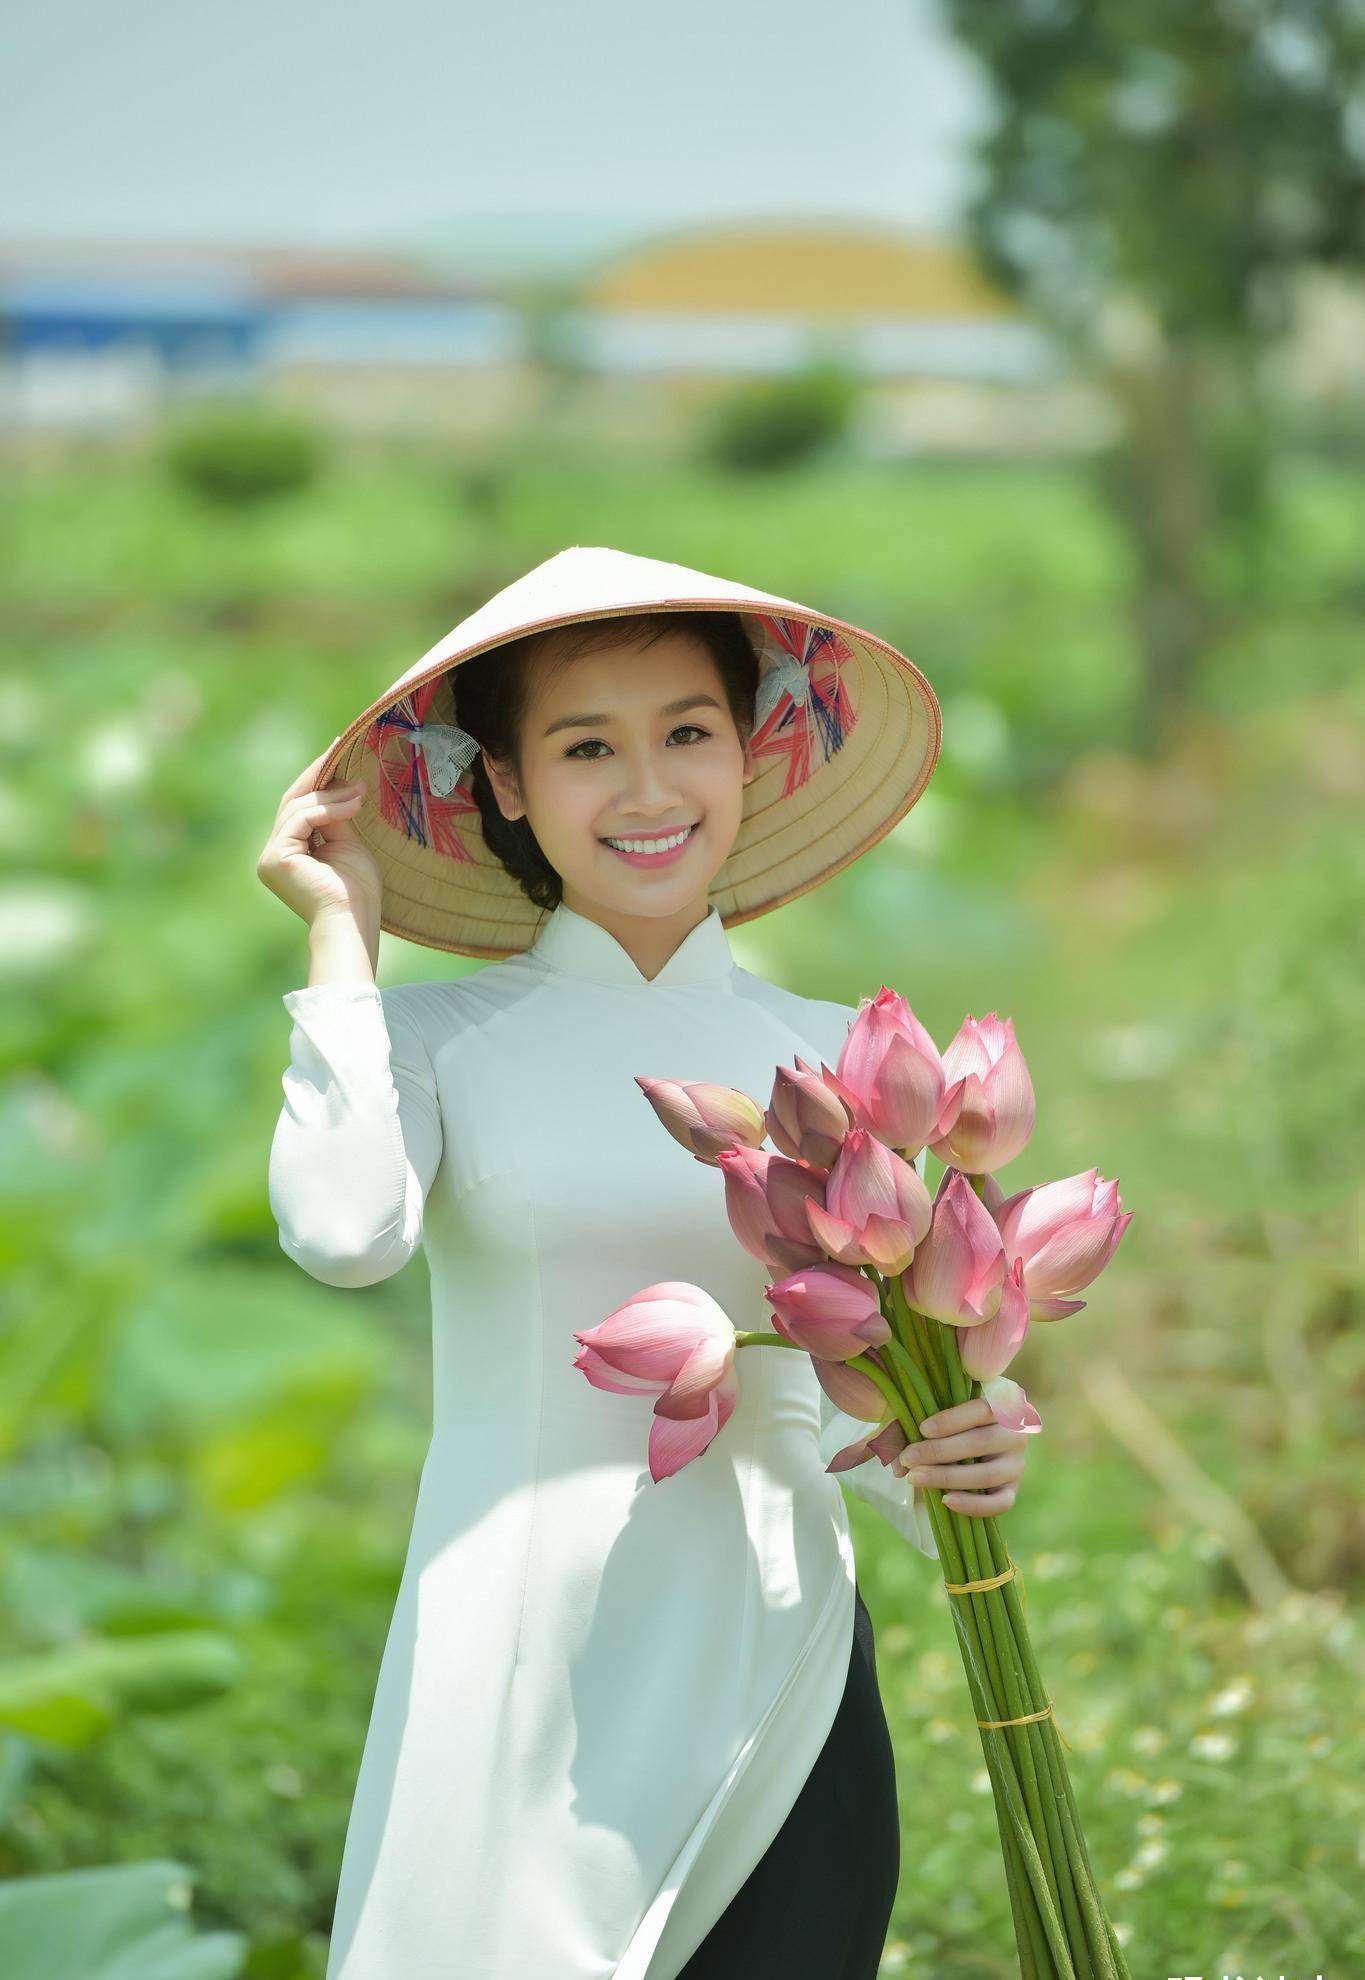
[[829, 1310], [673, 1341], [890, 1074], [987, 1350], [887, 1442], [958, 1270], [705, 1119], [849, 1389], [988, 1107], [806, 1118], [1066, 1232], [765, 1199], [1010, 1407], [876, 1207]]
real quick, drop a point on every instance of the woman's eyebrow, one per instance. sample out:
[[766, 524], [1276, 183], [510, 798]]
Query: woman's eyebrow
[[598, 721]]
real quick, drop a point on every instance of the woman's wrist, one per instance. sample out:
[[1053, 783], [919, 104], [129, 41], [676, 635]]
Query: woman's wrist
[[338, 950]]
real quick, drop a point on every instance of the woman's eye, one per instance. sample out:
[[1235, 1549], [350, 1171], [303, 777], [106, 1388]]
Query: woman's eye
[[589, 741]]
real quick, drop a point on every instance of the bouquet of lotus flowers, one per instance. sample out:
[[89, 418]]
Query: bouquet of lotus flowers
[[906, 1306]]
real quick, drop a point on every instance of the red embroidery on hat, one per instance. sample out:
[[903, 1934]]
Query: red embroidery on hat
[[406, 800], [812, 708]]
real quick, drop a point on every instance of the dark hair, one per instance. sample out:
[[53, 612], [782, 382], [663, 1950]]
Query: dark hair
[[490, 693]]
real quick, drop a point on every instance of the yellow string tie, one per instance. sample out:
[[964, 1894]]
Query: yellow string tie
[[1013, 1571]]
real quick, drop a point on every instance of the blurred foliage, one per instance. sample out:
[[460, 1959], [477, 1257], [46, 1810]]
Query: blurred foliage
[[240, 453], [1160, 186], [777, 422], [1114, 117], [208, 1461]]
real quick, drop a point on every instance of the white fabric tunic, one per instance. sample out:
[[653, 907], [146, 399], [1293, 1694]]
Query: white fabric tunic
[[600, 1695]]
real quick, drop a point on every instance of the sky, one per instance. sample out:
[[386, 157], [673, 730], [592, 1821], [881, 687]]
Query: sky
[[427, 123]]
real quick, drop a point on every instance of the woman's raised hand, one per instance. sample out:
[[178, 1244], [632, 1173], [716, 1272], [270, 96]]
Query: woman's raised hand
[[313, 860]]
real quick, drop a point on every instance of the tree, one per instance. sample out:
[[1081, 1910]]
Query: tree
[[1158, 176]]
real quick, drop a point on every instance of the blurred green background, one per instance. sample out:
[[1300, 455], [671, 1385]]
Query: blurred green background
[[209, 1460], [1143, 843]]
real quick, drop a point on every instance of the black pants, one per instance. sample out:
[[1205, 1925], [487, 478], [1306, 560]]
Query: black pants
[[817, 1904]]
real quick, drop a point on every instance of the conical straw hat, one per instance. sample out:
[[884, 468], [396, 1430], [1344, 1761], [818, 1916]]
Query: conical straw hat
[[847, 734]]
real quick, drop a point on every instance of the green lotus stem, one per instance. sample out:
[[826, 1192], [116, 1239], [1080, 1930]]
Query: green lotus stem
[[1023, 1692], [1086, 1887], [950, 1531], [992, 1624], [999, 1758], [914, 1378], [1098, 1930], [914, 1327], [1035, 1960], [888, 1388], [1000, 1655], [760, 1337], [928, 1331]]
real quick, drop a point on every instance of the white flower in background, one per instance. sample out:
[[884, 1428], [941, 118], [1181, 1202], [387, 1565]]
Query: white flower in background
[[1213, 1745], [42, 923], [116, 757], [1234, 1697]]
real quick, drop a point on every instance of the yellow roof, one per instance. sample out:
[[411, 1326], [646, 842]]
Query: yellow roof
[[832, 273]]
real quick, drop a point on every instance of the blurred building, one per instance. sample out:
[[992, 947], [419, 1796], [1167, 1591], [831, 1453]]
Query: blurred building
[[623, 344], [105, 338]]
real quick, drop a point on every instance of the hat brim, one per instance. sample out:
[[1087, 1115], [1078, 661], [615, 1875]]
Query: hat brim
[[840, 764]]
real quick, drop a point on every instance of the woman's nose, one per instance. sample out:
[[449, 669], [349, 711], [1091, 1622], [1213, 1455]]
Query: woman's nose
[[650, 787]]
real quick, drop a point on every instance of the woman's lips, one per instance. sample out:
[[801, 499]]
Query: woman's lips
[[654, 859]]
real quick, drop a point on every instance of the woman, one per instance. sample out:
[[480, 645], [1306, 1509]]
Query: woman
[[621, 1727]]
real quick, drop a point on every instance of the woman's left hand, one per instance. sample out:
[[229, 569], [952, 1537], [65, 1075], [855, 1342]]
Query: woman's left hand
[[967, 1430]]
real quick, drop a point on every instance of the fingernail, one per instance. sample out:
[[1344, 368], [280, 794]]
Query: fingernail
[[929, 1427], [918, 1477]]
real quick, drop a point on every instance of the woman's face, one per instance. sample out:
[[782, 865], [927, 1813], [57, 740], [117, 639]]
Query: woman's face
[[631, 742]]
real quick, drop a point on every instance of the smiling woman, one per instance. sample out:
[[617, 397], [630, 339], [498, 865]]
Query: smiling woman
[[731, 1808], [494, 695]]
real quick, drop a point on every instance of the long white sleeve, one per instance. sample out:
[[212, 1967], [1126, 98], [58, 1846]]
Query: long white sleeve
[[358, 1140]]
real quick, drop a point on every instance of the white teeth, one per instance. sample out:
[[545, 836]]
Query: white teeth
[[649, 845]]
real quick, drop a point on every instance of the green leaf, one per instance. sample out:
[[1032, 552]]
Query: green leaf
[[126, 1921]]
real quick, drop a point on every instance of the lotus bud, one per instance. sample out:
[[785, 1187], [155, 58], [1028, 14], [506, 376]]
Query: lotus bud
[[876, 1206], [1066, 1232], [829, 1310], [958, 1269], [806, 1118], [988, 1105], [705, 1119], [765, 1199]]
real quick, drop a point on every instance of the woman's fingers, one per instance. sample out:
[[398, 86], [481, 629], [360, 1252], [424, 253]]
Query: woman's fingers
[[965, 1477], [315, 811], [967, 1430], [983, 1442], [978, 1505], [958, 1416]]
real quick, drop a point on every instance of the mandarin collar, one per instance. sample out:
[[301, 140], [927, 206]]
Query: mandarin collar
[[578, 946]]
